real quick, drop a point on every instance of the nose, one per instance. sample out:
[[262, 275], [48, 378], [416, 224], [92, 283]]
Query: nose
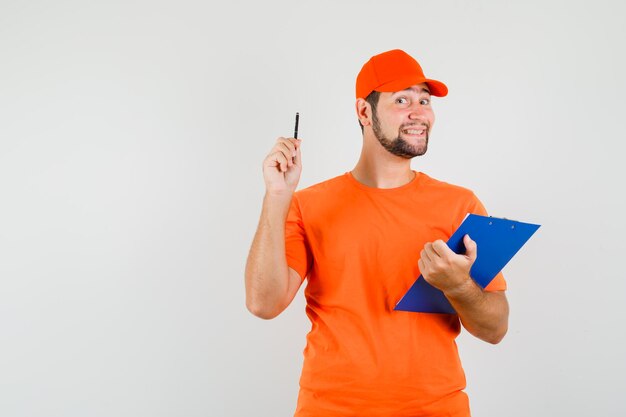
[[419, 112], [416, 113]]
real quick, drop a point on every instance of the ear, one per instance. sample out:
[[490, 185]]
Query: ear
[[363, 111]]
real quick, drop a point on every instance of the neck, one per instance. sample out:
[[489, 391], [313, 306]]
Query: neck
[[379, 168]]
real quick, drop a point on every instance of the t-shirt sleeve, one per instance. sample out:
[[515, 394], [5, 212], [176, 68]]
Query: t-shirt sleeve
[[296, 246], [498, 283]]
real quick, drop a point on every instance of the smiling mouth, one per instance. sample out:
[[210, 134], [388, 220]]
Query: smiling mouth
[[414, 131]]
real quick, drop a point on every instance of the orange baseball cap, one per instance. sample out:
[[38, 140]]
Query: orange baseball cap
[[394, 71]]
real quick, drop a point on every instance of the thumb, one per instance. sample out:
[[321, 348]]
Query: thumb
[[471, 250]]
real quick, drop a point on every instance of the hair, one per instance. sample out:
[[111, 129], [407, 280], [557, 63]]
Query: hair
[[372, 99]]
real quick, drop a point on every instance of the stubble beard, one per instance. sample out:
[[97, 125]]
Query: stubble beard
[[397, 146]]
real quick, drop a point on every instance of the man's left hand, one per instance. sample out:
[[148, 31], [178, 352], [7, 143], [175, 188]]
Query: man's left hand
[[444, 269]]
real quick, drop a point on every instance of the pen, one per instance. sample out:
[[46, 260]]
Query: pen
[[295, 131]]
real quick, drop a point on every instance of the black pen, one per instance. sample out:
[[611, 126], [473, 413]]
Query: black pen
[[295, 131]]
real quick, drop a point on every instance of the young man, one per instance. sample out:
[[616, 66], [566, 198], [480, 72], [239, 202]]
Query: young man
[[361, 239]]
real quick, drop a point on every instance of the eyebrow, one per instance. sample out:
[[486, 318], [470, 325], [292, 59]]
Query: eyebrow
[[417, 90]]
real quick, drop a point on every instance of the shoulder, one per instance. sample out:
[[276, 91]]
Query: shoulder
[[433, 185], [460, 198], [324, 188]]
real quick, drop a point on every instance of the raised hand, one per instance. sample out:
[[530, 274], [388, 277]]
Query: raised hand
[[282, 166]]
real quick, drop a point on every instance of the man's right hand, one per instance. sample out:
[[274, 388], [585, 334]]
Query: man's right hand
[[282, 167]]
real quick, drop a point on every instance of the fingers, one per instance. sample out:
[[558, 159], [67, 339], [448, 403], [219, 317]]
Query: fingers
[[290, 144], [284, 153], [278, 160], [436, 249], [443, 268], [434, 252], [439, 246]]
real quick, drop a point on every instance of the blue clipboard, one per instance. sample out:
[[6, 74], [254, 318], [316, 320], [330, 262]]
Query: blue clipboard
[[498, 240]]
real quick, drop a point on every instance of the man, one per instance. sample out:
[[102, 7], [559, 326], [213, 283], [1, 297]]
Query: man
[[361, 239]]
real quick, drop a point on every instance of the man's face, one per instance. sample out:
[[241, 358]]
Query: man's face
[[402, 121]]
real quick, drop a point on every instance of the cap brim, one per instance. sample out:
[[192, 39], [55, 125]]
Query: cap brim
[[437, 88]]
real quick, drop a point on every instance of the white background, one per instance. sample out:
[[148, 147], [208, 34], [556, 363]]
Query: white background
[[131, 141]]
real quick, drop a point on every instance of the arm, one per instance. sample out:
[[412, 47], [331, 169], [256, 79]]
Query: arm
[[484, 314], [270, 284]]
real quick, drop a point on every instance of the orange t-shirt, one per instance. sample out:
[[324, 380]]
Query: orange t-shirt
[[359, 246]]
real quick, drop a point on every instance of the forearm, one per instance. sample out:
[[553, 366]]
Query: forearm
[[484, 314], [267, 273]]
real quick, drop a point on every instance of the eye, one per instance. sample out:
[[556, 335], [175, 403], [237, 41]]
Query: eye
[[425, 101], [402, 100]]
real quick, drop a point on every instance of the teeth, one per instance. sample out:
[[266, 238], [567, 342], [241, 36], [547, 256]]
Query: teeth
[[414, 132]]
